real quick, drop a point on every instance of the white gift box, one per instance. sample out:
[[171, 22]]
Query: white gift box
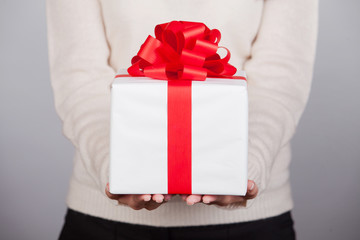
[[140, 161]]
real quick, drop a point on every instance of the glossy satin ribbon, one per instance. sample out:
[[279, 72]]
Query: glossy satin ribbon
[[180, 52]]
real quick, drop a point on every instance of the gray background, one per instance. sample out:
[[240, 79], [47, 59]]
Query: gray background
[[36, 160]]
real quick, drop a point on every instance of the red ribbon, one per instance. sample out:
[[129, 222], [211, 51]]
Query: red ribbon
[[181, 51], [179, 136]]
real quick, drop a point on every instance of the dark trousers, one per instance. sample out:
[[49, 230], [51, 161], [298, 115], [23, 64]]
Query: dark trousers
[[80, 226]]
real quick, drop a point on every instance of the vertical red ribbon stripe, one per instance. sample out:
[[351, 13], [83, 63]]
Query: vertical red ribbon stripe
[[179, 137]]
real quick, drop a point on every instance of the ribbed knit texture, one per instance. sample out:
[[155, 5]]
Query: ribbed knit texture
[[272, 40]]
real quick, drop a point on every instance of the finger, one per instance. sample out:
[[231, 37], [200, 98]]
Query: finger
[[222, 200], [209, 199], [141, 197], [144, 197], [137, 201], [252, 190], [124, 199], [159, 198], [157, 201], [225, 200], [151, 205], [193, 198], [110, 195], [184, 196], [167, 197]]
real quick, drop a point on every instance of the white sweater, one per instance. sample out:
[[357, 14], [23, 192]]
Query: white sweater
[[272, 40]]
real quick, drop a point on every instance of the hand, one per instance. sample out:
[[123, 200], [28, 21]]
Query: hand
[[139, 201], [222, 200]]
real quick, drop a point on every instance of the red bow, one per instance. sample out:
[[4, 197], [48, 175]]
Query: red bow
[[182, 50]]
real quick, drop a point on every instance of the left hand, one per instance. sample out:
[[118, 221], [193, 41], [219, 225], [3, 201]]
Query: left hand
[[222, 200], [139, 201]]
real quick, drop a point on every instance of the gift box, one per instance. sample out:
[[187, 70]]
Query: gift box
[[179, 120], [204, 151]]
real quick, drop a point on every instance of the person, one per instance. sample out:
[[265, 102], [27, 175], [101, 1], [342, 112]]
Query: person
[[274, 41]]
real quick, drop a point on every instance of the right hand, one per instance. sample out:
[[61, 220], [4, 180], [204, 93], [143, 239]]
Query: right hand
[[139, 201]]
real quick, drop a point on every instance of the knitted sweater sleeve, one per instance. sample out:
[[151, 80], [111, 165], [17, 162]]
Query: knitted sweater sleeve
[[81, 78], [279, 79]]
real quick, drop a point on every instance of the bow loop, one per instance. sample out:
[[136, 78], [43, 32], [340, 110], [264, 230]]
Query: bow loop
[[182, 50]]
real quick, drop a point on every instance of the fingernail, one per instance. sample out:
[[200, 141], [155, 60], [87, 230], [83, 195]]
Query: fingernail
[[252, 185], [147, 198], [205, 200], [159, 199], [208, 199]]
